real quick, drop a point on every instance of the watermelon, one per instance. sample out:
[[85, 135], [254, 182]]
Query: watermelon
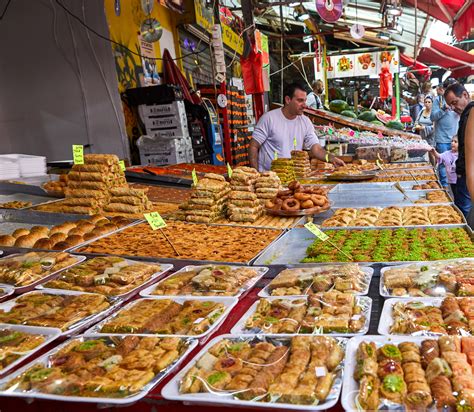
[[349, 113], [377, 122], [367, 116], [338, 106], [393, 124]]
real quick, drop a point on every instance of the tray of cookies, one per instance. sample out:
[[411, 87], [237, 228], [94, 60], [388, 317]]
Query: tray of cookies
[[385, 186], [106, 369], [291, 373], [324, 313], [175, 316]]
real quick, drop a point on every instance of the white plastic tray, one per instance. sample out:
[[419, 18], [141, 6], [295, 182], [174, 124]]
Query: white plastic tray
[[266, 292], [164, 268], [79, 325], [147, 293], [240, 328], [350, 388], [31, 286], [8, 290], [171, 390], [229, 304], [49, 333], [44, 359]]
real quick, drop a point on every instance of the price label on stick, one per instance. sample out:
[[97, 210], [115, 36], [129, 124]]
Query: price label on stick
[[122, 165], [229, 170], [275, 155], [155, 220], [295, 143], [316, 231], [78, 154], [377, 162], [195, 178]]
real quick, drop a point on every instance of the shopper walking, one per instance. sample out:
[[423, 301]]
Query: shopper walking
[[445, 125], [423, 123], [459, 100]]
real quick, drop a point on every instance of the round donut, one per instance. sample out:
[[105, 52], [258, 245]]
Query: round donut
[[294, 185], [303, 197], [318, 200], [291, 204], [307, 204]]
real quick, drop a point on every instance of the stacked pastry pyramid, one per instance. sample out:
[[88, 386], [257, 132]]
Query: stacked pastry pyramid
[[267, 186], [284, 168], [301, 163], [243, 204], [127, 200], [208, 200]]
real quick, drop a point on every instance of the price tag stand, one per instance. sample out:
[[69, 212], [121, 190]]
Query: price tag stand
[[155, 221], [315, 230]]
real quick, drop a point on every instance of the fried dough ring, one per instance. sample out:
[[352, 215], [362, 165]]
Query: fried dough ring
[[291, 204], [318, 200]]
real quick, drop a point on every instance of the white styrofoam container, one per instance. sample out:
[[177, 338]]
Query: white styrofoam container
[[155, 151], [157, 123], [171, 109]]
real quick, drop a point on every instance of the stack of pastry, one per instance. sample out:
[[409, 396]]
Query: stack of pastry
[[129, 201], [390, 216], [89, 184], [243, 204], [267, 186], [284, 168], [301, 163], [208, 200]]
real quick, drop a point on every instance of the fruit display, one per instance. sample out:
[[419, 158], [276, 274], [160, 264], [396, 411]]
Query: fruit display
[[338, 106], [387, 245]]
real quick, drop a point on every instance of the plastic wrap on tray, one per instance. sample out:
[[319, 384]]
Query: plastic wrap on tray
[[167, 316], [207, 280], [302, 372], [409, 373], [428, 316], [337, 313], [453, 277], [106, 369]]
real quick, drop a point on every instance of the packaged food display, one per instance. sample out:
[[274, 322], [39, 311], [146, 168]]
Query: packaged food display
[[108, 275], [308, 281], [63, 236], [208, 280], [395, 216], [102, 369], [454, 277], [17, 342], [192, 241], [344, 314], [303, 372], [172, 316], [413, 373], [387, 245], [66, 310], [28, 269], [452, 316]]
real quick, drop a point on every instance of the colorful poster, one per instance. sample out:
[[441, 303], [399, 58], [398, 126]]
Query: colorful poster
[[330, 67], [344, 65], [150, 72], [392, 56], [365, 64]]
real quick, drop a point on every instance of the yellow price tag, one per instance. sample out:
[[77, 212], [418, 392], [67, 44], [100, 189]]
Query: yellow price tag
[[377, 162], [295, 143], [78, 154], [316, 231], [275, 155], [122, 165], [195, 178], [229, 170], [155, 220]]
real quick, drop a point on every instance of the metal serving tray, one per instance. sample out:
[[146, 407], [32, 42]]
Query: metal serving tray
[[171, 390], [31, 286], [376, 186], [242, 292], [164, 268], [240, 329], [45, 360], [369, 272], [6, 291], [376, 198], [50, 334], [79, 325], [228, 302], [24, 197], [290, 249]]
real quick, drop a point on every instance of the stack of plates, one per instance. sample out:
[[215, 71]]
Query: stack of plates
[[24, 165], [9, 169]]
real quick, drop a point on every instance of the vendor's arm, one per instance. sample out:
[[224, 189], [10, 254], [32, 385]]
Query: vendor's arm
[[319, 153], [254, 148], [469, 153]]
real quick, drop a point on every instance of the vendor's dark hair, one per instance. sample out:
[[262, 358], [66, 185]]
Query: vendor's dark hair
[[289, 89], [457, 88]]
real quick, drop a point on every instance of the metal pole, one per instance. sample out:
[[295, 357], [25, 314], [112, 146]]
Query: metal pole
[[282, 29]]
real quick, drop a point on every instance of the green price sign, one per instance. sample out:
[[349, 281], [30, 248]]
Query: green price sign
[[78, 154], [330, 131], [195, 178], [275, 155], [229, 170], [122, 165], [295, 143], [316, 231], [155, 220]]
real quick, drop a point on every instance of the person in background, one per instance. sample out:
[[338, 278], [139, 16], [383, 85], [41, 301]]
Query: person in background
[[445, 123], [449, 159], [282, 130], [315, 98], [459, 100], [423, 123], [417, 107]]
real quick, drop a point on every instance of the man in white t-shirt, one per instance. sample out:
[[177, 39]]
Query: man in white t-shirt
[[278, 130]]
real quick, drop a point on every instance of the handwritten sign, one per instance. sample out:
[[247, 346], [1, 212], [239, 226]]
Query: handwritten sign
[[78, 154], [195, 178], [229, 170], [122, 165], [316, 231], [155, 220]]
